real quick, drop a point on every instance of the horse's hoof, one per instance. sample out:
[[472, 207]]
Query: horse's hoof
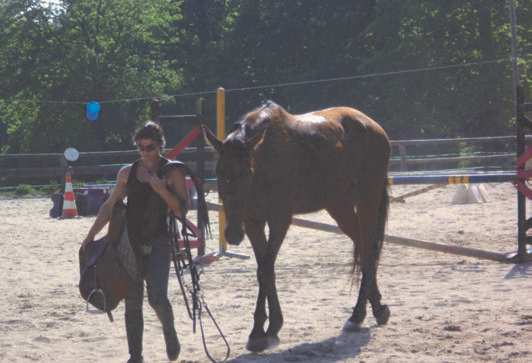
[[383, 315], [350, 326], [260, 344]]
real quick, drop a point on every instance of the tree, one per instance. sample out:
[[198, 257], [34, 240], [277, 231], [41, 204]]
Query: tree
[[90, 50], [122, 52]]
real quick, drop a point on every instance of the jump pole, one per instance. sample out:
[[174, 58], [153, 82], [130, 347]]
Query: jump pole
[[409, 242], [220, 134], [501, 177]]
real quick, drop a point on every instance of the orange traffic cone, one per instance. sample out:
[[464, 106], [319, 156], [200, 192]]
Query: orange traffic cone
[[69, 199]]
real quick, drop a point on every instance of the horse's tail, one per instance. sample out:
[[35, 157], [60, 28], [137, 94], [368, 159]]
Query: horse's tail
[[377, 236], [381, 224]]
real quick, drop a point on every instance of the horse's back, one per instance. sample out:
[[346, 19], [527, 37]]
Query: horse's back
[[350, 120], [329, 152], [341, 133]]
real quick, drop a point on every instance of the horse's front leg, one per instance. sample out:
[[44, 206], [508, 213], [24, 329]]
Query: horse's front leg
[[257, 338], [278, 229], [266, 254]]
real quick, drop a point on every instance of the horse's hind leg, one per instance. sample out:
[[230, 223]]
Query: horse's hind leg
[[360, 227], [372, 211], [380, 312], [348, 221]]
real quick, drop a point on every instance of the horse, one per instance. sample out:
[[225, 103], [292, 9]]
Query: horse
[[274, 165]]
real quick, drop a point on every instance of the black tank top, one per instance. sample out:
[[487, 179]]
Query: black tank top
[[146, 210]]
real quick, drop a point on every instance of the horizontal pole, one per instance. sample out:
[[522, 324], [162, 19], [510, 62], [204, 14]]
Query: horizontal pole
[[450, 159], [452, 179], [178, 116], [455, 140], [432, 179], [394, 142], [401, 198], [107, 171], [189, 150], [408, 242]]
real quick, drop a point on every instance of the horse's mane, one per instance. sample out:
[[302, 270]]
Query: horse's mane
[[255, 121]]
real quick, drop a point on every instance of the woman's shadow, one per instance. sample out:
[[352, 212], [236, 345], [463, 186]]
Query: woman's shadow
[[346, 345]]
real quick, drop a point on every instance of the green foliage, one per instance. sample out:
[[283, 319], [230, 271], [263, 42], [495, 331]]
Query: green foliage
[[24, 189], [129, 50]]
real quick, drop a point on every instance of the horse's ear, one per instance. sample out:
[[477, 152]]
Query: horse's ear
[[207, 134]]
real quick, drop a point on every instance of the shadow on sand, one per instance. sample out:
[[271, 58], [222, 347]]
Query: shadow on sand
[[520, 270], [346, 345]]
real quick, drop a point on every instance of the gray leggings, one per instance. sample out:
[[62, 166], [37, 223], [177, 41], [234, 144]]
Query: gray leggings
[[157, 265]]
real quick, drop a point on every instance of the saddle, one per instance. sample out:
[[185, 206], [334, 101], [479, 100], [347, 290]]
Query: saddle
[[104, 277]]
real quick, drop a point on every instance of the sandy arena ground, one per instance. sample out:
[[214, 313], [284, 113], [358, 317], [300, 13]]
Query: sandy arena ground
[[445, 308]]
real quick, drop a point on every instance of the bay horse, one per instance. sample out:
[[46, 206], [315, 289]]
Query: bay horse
[[274, 165]]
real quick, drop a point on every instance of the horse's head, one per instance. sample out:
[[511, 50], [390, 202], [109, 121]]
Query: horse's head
[[235, 169]]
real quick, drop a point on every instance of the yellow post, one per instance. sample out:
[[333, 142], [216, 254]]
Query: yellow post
[[220, 134]]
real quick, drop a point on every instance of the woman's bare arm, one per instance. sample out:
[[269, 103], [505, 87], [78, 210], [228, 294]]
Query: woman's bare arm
[[106, 210]]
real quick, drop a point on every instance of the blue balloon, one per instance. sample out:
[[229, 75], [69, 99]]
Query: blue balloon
[[92, 110], [91, 116]]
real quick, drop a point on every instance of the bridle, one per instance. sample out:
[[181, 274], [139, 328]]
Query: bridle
[[192, 294]]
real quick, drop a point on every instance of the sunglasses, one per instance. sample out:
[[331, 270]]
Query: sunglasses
[[147, 148]]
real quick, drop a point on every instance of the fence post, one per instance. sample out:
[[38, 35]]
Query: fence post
[[402, 154], [63, 163], [523, 222], [220, 134]]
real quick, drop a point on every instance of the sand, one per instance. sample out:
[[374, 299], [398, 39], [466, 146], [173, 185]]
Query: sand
[[445, 308]]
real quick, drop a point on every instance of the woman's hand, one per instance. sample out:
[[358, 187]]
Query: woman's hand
[[157, 184], [86, 241], [143, 174]]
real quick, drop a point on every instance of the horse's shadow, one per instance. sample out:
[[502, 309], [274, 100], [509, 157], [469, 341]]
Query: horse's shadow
[[345, 345]]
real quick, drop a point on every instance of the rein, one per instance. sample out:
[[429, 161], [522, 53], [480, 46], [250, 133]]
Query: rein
[[192, 295]]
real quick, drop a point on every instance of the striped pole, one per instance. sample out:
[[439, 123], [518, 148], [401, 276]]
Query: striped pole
[[452, 179], [220, 134]]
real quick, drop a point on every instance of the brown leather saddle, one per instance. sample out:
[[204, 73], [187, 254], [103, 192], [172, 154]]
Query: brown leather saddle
[[103, 277]]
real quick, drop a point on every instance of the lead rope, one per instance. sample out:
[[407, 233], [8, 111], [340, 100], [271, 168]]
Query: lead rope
[[182, 261]]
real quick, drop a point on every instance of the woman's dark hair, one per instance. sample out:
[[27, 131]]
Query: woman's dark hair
[[150, 130]]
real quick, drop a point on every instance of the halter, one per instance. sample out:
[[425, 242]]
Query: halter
[[183, 261]]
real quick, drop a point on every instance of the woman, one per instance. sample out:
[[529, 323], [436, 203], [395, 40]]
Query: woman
[[149, 197]]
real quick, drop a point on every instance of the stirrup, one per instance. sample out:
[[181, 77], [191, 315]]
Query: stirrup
[[97, 311]]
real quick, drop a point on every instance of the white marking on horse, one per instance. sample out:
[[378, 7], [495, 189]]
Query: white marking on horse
[[311, 118], [264, 114]]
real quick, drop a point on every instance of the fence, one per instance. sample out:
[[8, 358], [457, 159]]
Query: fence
[[471, 154], [44, 168], [468, 154]]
